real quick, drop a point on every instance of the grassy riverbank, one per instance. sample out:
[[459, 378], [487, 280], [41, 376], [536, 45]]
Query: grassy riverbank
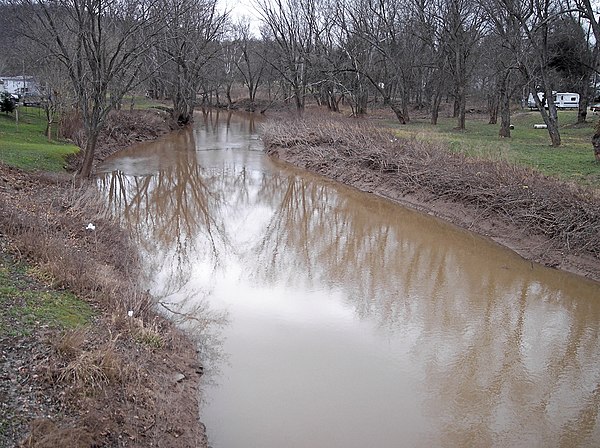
[[24, 144], [85, 360], [542, 218], [573, 161]]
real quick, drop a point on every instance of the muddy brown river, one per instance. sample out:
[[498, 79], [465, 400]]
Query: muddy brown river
[[331, 318]]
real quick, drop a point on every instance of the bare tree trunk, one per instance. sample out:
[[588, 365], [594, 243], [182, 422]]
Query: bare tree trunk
[[361, 102], [552, 120], [299, 99], [494, 99], [456, 108], [554, 134], [435, 107], [85, 171], [462, 108], [228, 95], [584, 101], [397, 108], [549, 116], [504, 110], [405, 104]]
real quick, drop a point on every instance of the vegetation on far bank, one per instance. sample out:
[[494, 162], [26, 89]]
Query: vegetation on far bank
[[25, 146], [370, 158], [529, 147]]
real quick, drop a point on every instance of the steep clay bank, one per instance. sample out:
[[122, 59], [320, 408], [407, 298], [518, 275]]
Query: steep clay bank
[[540, 218]]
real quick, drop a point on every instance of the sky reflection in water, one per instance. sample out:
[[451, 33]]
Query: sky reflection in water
[[352, 322]]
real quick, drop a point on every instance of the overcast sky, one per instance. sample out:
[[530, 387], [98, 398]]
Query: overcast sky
[[241, 8]]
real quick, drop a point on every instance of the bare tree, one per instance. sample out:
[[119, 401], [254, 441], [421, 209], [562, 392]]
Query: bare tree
[[358, 56], [376, 44], [532, 51], [504, 44], [56, 93], [433, 58], [100, 44], [187, 41], [462, 25], [291, 25], [249, 64]]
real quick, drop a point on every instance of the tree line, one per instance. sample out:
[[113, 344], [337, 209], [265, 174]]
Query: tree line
[[404, 54]]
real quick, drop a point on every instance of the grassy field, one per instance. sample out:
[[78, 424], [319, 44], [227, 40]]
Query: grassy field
[[26, 146], [573, 160]]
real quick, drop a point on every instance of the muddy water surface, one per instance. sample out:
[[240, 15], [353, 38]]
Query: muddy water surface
[[350, 321]]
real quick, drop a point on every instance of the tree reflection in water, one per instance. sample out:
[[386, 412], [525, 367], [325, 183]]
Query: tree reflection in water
[[506, 351], [499, 342]]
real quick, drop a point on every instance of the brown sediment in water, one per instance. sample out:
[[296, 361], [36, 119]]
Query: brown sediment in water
[[130, 378], [542, 219]]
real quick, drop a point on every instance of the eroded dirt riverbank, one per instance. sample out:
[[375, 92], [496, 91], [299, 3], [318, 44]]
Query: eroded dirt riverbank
[[540, 218], [127, 378]]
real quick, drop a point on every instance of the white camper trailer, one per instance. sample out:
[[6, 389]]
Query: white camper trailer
[[566, 100], [562, 100]]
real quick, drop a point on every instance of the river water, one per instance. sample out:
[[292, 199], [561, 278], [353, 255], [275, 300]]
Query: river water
[[332, 318]]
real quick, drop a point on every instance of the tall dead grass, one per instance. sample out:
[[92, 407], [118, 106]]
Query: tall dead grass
[[566, 215], [50, 230], [111, 379]]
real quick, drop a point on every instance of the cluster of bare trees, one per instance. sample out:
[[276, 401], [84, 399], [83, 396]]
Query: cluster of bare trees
[[416, 53], [405, 54], [104, 49]]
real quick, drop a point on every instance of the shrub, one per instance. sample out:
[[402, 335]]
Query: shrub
[[7, 103]]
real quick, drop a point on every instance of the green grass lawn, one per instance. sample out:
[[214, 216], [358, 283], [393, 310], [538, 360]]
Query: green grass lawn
[[142, 102], [25, 145], [572, 161], [26, 303]]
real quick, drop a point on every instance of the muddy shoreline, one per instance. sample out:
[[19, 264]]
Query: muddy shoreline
[[318, 152], [144, 389]]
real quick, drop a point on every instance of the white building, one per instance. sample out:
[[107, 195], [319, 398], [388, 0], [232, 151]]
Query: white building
[[19, 85]]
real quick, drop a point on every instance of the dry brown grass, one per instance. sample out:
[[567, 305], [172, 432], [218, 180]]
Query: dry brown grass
[[85, 365], [567, 216], [100, 264], [93, 369], [46, 434], [114, 379]]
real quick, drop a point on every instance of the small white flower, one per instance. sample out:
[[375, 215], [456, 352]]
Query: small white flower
[[130, 313], [90, 226]]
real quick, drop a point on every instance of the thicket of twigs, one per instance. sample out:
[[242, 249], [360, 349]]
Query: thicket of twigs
[[122, 129], [568, 216]]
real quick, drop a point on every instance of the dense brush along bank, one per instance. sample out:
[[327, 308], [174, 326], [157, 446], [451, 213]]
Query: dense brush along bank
[[541, 218]]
